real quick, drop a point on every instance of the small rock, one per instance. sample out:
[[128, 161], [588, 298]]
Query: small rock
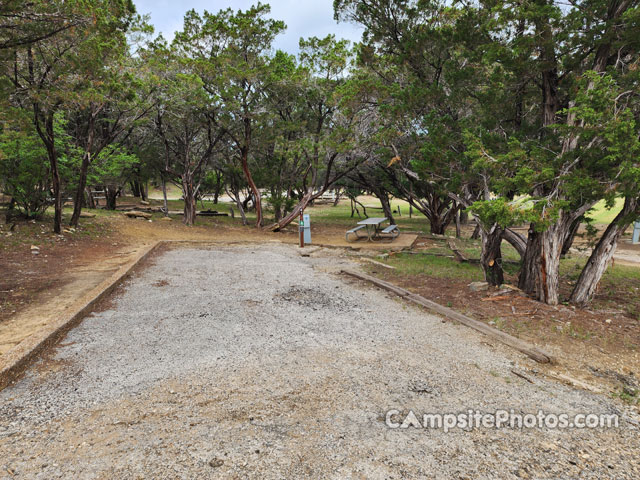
[[478, 286], [166, 219], [216, 462], [87, 215]]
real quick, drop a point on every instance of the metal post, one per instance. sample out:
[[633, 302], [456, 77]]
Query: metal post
[[301, 230], [636, 233]]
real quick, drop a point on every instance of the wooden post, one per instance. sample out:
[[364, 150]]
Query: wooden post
[[301, 228]]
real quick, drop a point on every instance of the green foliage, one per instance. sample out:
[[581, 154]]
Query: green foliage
[[24, 173], [499, 211]]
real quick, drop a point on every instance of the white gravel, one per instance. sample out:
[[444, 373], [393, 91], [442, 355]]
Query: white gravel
[[255, 362]]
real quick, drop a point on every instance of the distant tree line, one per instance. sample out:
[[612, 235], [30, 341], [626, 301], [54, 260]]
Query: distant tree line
[[508, 112]]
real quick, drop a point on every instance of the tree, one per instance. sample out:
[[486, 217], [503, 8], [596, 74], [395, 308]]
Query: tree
[[423, 85], [23, 165], [184, 123], [335, 126], [41, 77], [113, 97], [230, 53], [566, 65]]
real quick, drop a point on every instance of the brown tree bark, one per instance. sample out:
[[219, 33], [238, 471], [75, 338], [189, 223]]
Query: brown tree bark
[[539, 275], [111, 196], [516, 240], [573, 230], [91, 203], [165, 203], [190, 204], [491, 258], [55, 175], [82, 180], [386, 206], [603, 253]]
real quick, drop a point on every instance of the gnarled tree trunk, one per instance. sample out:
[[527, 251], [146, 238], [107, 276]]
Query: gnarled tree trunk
[[540, 265], [491, 258], [603, 252], [516, 240]]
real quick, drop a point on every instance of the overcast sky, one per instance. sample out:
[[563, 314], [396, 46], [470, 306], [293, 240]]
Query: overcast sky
[[304, 18]]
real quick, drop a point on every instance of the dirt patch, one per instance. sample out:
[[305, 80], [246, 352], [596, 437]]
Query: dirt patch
[[313, 299], [587, 342], [36, 262]]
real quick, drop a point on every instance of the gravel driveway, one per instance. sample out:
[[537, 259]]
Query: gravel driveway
[[255, 362]]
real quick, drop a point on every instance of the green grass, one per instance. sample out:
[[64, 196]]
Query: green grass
[[439, 267], [602, 215]]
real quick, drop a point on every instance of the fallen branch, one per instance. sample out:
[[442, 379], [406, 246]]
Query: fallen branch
[[518, 373], [459, 256]]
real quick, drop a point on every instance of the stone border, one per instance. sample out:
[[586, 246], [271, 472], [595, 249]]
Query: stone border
[[18, 359]]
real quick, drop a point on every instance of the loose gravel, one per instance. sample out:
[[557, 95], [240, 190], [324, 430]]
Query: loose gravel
[[256, 362]]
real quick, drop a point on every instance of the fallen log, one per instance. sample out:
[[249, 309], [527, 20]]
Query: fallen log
[[137, 213], [459, 256], [513, 342]]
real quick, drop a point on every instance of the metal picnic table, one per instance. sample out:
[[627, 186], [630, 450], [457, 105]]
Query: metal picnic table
[[373, 226], [374, 231]]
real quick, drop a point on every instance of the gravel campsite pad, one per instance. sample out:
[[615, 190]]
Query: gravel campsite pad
[[256, 362]]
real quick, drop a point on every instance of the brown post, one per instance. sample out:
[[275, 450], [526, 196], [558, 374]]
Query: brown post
[[301, 228]]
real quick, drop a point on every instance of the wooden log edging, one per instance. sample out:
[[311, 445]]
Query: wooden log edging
[[509, 340], [18, 359]]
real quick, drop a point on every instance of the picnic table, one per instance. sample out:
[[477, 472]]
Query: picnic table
[[373, 227]]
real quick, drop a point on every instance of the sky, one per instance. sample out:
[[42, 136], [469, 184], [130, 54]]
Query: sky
[[304, 18]]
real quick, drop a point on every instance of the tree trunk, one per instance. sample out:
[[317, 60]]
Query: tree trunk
[[164, 197], [516, 240], [242, 213], [458, 224], [302, 204], [111, 195], [539, 275], [79, 195], [476, 233], [52, 154], [10, 211], [91, 203], [135, 188], [338, 193], [190, 203], [491, 258], [573, 230], [253, 187], [57, 194], [437, 226], [603, 252], [386, 206], [216, 193]]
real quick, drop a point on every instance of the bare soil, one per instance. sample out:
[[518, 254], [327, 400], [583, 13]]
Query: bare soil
[[599, 344]]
